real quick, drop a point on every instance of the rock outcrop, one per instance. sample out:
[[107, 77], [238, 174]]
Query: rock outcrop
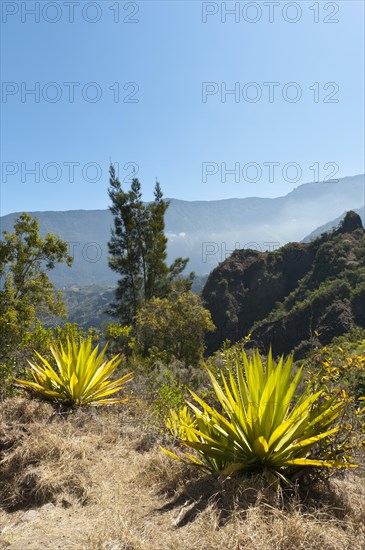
[[287, 297]]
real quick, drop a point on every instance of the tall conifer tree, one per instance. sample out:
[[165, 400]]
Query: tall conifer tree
[[138, 249]]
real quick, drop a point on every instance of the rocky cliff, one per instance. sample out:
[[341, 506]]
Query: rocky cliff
[[290, 296]]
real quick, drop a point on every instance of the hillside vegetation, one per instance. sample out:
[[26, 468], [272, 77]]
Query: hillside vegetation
[[298, 294]]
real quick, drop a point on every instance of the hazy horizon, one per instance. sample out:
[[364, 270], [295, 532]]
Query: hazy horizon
[[198, 201], [215, 99]]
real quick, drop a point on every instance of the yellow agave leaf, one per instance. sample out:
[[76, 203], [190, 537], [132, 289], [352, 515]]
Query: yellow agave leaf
[[47, 371], [204, 436], [173, 455], [211, 450], [233, 431], [101, 384], [31, 385], [100, 402], [252, 415], [117, 382], [266, 403], [103, 390], [242, 386], [98, 395], [285, 370], [97, 366], [81, 372], [231, 401], [44, 361], [107, 384], [260, 447], [103, 372], [60, 361], [36, 387], [235, 390], [178, 422], [73, 385], [286, 393], [268, 411], [188, 434], [51, 393], [194, 459], [305, 443], [288, 429], [206, 408], [254, 380], [38, 374], [191, 457], [327, 416], [282, 380], [214, 448], [219, 392], [326, 463], [269, 364]]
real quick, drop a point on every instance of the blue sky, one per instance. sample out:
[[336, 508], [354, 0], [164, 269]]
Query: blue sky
[[169, 122]]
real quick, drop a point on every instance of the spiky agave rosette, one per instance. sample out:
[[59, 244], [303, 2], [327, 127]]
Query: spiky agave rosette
[[81, 376], [261, 426]]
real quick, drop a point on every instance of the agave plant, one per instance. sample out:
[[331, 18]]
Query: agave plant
[[177, 420], [81, 376], [261, 426]]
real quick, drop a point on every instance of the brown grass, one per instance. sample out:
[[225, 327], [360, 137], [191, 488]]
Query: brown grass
[[111, 488]]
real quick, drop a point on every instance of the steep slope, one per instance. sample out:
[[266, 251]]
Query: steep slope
[[204, 231], [329, 226], [283, 297]]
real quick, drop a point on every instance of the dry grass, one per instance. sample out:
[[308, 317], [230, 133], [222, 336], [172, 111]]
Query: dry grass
[[111, 488]]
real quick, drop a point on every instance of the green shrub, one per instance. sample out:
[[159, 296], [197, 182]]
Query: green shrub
[[174, 326]]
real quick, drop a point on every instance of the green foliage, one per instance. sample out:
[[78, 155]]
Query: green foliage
[[341, 363], [339, 368], [138, 249], [27, 295], [27, 292], [170, 395], [173, 326], [81, 376], [119, 337], [260, 426]]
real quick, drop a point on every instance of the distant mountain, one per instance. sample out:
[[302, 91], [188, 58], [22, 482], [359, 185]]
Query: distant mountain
[[287, 297], [205, 231], [86, 305], [332, 225]]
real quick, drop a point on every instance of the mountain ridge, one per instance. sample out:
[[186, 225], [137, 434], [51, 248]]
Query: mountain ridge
[[204, 231]]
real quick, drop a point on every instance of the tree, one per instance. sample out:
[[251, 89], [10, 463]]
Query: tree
[[27, 293], [138, 249], [175, 326]]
